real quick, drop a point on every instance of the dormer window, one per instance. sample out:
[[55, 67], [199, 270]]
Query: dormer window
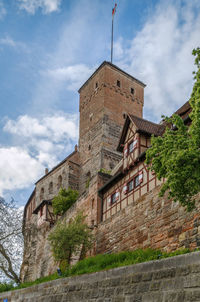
[[132, 146], [118, 83]]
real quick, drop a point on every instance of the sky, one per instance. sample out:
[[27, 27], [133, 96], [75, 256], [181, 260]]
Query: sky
[[48, 48]]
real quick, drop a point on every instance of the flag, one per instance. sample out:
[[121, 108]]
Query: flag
[[114, 10]]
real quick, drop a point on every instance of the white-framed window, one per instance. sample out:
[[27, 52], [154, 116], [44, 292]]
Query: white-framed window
[[132, 145], [130, 185], [114, 197]]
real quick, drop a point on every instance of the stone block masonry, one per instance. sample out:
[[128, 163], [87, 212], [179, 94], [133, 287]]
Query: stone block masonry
[[175, 279]]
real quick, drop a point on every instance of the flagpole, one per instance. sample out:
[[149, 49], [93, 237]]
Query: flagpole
[[112, 41]]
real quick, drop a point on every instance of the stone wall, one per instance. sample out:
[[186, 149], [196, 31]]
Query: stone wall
[[175, 279], [150, 221], [38, 260]]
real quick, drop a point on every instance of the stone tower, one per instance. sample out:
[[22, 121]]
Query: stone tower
[[105, 98]]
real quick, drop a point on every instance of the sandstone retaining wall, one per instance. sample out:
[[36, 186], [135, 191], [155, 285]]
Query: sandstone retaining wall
[[175, 279]]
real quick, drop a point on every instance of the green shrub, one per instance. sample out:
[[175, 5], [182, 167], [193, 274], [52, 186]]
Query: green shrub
[[70, 238], [4, 287], [64, 200]]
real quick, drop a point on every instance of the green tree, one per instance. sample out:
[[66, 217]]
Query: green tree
[[68, 239], [176, 155], [64, 200]]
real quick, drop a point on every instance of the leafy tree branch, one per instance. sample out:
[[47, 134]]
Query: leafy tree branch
[[176, 155]]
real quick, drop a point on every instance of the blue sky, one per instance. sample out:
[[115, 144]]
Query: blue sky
[[48, 48]]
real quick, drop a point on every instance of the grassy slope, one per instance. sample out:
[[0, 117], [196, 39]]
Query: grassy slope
[[102, 262]]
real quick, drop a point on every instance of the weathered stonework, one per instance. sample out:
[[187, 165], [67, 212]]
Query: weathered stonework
[[136, 217], [175, 279]]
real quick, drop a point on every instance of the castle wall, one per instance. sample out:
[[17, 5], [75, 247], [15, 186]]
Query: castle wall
[[65, 175], [38, 260], [174, 279], [150, 221]]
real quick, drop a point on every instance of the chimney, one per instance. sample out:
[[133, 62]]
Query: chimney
[[46, 171], [76, 148]]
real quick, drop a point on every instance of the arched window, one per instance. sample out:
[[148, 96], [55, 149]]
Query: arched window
[[42, 194], [51, 187], [88, 178], [59, 181]]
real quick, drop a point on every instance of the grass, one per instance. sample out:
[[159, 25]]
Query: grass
[[99, 263]]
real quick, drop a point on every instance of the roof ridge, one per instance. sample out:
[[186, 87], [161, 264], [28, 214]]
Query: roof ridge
[[140, 118]]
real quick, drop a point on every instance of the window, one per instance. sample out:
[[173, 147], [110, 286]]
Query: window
[[96, 85], [42, 193], [130, 185], [118, 83], [51, 187], [132, 90], [132, 146], [59, 181], [89, 147], [114, 197], [137, 181]]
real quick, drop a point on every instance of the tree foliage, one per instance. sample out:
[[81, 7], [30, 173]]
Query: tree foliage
[[68, 239], [11, 241], [176, 155], [64, 200]]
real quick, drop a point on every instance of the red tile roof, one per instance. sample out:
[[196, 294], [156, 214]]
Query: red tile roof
[[146, 126]]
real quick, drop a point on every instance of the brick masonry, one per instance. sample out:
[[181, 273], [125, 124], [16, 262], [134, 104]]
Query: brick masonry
[[175, 279]]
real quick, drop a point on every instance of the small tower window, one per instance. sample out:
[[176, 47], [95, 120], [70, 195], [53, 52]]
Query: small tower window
[[118, 83], [59, 182], [132, 90], [51, 187]]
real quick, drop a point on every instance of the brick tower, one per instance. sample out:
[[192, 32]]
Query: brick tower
[[104, 99]]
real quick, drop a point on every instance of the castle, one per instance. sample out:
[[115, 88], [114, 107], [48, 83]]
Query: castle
[[117, 192]]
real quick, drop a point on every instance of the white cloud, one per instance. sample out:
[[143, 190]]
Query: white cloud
[[38, 143], [3, 11], [160, 55], [55, 128], [73, 76], [47, 6], [17, 169], [10, 42]]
